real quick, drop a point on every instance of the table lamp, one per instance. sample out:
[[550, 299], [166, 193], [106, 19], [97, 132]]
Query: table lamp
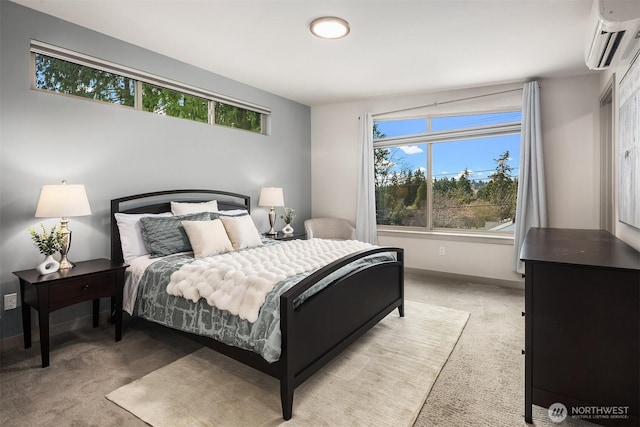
[[271, 196], [64, 201]]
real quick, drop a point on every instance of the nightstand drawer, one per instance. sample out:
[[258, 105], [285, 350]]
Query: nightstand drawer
[[82, 289]]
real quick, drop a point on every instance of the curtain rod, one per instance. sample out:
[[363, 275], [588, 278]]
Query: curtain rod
[[436, 103]]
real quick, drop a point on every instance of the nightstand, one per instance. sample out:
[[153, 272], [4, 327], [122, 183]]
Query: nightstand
[[292, 236], [88, 280]]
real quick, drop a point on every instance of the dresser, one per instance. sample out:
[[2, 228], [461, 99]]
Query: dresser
[[582, 327]]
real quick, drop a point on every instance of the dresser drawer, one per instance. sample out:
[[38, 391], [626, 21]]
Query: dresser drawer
[[82, 289]]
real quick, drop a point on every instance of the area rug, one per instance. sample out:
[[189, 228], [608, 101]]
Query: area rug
[[383, 379]]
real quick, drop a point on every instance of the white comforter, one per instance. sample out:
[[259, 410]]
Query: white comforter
[[239, 281]]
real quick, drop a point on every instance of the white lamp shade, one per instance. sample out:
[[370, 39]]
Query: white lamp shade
[[63, 200], [271, 196]]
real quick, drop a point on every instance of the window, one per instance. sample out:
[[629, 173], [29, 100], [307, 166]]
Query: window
[[448, 172], [62, 71], [236, 117], [175, 104], [66, 77]]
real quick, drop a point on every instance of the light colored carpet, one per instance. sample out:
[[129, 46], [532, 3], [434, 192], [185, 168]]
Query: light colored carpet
[[382, 379]]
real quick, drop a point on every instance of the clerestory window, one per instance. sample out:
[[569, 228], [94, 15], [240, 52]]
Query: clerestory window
[[62, 71]]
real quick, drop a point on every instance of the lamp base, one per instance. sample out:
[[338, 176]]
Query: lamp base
[[65, 264], [272, 222]]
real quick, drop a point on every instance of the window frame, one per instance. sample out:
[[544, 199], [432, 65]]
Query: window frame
[[140, 78], [430, 138]]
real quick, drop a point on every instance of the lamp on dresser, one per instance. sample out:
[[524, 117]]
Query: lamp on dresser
[[271, 197], [64, 201]]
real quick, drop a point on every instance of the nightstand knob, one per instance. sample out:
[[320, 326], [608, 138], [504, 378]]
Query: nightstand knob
[[523, 313], [85, 287]]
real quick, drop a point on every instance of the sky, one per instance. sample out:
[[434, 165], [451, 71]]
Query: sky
[[451, 158]]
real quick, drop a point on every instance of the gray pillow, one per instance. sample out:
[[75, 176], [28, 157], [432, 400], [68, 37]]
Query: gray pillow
[[166, 236]]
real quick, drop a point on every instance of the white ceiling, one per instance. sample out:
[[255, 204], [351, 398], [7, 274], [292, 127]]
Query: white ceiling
[[395, 47]]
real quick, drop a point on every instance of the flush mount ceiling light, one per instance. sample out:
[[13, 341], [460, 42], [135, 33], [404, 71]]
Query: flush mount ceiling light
[[329, 27]]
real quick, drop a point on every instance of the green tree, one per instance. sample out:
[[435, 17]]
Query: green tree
[[415, 180], [421, 196], [381, 163], [174, 104], [464, 192], [381, 166], [502, 189], [62, 76], [237, 117], [444, 186], [412, 189]]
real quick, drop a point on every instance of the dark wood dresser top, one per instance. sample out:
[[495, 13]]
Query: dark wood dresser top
[[579, 247]]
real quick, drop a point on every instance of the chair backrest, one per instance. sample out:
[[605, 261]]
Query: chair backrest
[[329, 228]]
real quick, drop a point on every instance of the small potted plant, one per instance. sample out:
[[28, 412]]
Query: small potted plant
[[288, 216], [47, 243]]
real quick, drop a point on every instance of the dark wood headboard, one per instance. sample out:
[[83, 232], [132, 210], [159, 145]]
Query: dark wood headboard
[[160, 201]]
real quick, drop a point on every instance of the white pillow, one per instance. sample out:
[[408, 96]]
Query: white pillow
[[207, 238], [241, 231], [131, 239], [184, 208]]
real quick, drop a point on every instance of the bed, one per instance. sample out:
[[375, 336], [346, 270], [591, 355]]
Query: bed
[[313, 327]]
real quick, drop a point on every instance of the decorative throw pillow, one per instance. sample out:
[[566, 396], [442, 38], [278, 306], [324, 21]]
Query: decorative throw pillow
[[166, 236], [185, 208], [241, 231], [207, 238], [131, 239]]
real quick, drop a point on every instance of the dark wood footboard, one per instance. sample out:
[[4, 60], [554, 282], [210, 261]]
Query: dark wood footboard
[[328, 322]]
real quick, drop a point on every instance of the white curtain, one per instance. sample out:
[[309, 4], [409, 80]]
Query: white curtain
[[366, 228], [531, 210]]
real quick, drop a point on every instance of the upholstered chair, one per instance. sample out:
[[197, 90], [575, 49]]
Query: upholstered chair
[[329, 228]]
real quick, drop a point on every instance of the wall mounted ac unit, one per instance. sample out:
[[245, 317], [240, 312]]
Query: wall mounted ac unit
[[614, 32]]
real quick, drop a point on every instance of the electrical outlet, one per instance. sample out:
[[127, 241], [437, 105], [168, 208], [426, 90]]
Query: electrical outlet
[[10, 301], [443, 251]]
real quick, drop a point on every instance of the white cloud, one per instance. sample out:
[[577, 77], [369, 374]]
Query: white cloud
[[411, 149]]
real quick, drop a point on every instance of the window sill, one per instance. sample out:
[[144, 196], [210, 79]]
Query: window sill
[[460, 236]]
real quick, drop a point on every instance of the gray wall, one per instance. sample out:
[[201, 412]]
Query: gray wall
[[115, 151]]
